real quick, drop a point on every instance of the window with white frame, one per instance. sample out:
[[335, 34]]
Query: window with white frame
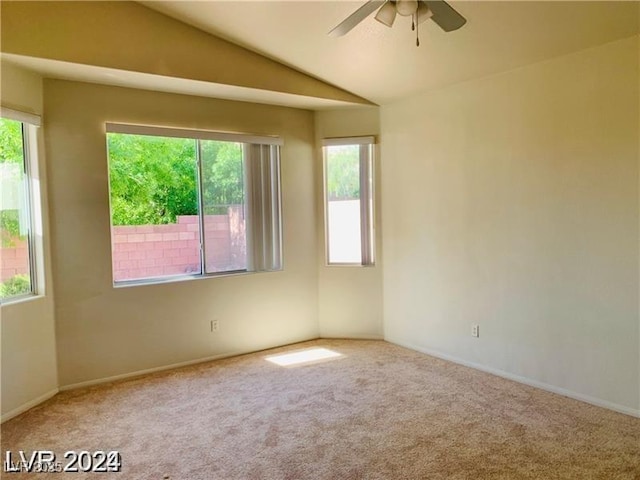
[[19, 202], [192, 203], [348, 193]]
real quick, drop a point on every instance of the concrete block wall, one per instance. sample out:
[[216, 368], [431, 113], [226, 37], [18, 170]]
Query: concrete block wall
[[14, 260], [146, 251]]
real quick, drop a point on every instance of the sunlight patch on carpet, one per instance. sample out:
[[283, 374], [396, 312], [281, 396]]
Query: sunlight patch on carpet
[[302, 357]]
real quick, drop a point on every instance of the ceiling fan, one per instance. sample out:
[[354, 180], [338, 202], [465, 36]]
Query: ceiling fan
[[419, 10]]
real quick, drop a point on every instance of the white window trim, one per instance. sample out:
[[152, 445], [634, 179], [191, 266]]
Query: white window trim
[[367, 191], [268, 259], [331, 142], [31, 122]]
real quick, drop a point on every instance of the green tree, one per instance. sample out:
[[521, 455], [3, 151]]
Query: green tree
[[16, 285], [343, 172], [222, 175], [152, 179], [10, 141], [11, 173]]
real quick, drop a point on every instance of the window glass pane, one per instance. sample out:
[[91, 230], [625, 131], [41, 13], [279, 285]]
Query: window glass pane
[[155, 224], [195, 206], [343, 203], [15, 258], [223, 202]]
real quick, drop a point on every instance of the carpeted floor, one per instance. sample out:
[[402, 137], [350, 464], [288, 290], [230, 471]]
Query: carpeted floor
[[378, 411]]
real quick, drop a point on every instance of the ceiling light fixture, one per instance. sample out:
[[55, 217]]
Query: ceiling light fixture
[[419, 10], [406, 7], [387, 14], [423, 13]]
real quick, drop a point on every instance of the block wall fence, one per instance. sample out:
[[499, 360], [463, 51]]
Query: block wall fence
[[14, 260], [144, 251]]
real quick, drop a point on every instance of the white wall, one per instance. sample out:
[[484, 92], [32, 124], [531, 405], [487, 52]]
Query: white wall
[[350, 298], [28, 348], [512, 202], [105, 331]]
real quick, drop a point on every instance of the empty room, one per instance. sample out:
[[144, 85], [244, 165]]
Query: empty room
[[384, 239]]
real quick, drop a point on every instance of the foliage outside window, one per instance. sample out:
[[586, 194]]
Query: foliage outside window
[[187, 202], [348, 185], [16, 242]]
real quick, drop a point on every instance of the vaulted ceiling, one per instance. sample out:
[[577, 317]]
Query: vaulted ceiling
[[218, 48], [383, 64]]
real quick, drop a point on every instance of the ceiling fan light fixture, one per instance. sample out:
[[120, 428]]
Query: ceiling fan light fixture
[[423, 12], [387, 14], [445, 16], [406, 7]]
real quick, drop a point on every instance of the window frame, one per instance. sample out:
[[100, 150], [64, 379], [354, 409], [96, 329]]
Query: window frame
[[366, 170], [275, 207], [30, 123]]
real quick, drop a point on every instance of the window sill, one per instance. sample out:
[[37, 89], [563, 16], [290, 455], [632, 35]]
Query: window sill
[[21, 299], [185, 278], [349, 265]]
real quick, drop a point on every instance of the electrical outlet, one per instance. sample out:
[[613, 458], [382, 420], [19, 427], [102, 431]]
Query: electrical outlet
[[214, 325], [475, 330]]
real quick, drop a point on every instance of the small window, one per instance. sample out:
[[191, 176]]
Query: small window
[[17, 250], [348, 189], [192, 203]]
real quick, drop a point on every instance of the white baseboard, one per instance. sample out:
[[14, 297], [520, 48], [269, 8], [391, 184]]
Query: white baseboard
[[351, 337], [517, 378], [26, 406], [139, 373], [527, 381]]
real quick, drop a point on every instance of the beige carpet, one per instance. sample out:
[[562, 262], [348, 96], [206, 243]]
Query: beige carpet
[[377, 412]]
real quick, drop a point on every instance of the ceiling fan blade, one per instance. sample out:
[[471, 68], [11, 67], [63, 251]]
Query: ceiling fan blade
[[356, 17], [444, 15]]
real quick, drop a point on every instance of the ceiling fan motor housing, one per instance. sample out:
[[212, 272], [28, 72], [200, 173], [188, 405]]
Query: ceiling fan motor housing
[[419, 10], [406, 7]]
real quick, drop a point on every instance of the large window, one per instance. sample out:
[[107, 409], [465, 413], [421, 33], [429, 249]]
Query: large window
[[17, 202], [348, 190], [192, 203]]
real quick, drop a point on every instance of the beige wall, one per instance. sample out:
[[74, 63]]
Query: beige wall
[[350, 298], [512, 202], [28, 344], [105, 331], [147, 42]]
